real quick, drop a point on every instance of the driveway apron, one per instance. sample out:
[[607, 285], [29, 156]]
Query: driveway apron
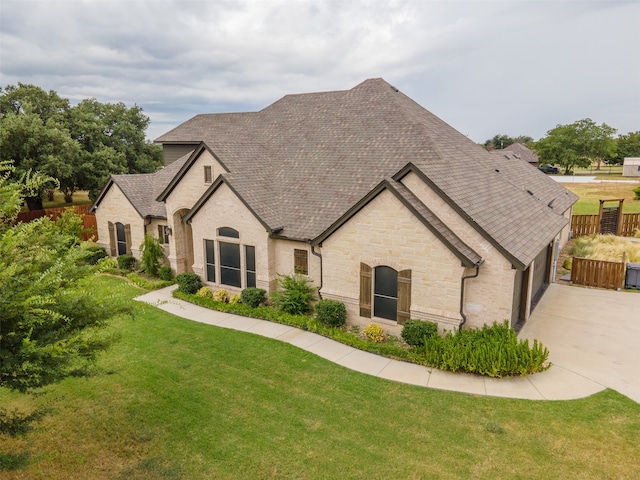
[[592, 333]]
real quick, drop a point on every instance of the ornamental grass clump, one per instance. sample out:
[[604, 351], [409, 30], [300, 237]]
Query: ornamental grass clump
[[492, 350]]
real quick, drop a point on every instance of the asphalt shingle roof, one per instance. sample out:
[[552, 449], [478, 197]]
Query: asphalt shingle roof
[[304, 161]]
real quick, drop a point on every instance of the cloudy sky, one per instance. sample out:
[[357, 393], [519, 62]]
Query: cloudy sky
[[485, 67]]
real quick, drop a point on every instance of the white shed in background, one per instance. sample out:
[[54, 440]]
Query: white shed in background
[[631, 167]]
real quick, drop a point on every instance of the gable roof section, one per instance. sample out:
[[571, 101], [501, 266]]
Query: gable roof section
[[184, 167], [466, 254], [142, 189], [210, 191], [305, 161], [519, 152]]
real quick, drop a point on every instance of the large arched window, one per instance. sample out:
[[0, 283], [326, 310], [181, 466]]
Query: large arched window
[[385, 293]]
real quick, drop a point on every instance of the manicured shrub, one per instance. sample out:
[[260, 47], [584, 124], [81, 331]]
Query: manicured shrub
[[221, 296], [107, 264], [127, 262], [295, 294], [189, 283], [94, 254], [492, 350], [152, 254], [568, 262], [205, 292], [636, 191], [235, 299], [416, 332], [374, 333], [253, 296], [331, 312], [165, 273]]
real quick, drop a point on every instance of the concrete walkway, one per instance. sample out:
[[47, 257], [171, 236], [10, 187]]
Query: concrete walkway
[[557, 383]]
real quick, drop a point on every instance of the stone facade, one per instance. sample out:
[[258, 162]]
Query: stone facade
[[225, 209], [387, 233], [185, 194], [488, 297], [116, 208]]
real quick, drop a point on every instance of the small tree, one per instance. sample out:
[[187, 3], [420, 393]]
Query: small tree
[[152, 255], [295, 294], [50, 321]]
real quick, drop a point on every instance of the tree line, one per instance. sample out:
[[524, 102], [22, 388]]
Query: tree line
[[578, 144], [79, 146]]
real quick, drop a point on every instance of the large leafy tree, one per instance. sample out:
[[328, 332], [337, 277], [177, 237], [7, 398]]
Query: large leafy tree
[[50, 322], [627, 146], [80, 146], [578, 144]]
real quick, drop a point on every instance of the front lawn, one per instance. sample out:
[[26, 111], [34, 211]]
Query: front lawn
[[178, 399]]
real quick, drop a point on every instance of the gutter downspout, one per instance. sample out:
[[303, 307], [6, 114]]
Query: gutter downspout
[[464, 317], [319, 255]]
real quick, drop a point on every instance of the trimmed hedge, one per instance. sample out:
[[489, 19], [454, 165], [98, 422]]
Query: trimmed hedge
[[415, 332], [331, 312], [127, 262], [253, 296], [189, 283]]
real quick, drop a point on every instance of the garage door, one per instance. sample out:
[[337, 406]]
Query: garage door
[[539, 280]]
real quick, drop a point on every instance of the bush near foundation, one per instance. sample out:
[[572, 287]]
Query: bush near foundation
[[331, 312], [253, 296], [189, 283], [374, 333], [295, 294], [492, 350], [221, 296], [416, 332], [127, 262]]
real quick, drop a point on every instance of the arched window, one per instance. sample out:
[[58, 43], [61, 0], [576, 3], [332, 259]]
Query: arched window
[[121, 239], [228, 232], [385, 293]]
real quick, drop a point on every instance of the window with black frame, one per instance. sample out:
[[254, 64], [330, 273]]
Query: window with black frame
[[385, 293]]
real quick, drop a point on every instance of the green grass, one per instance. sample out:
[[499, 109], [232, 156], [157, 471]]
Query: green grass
[[177, 399], [591, 193]]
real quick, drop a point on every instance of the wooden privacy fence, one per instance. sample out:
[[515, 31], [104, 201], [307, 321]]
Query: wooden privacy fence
[[88, 218], [598, 273], [590, 224]]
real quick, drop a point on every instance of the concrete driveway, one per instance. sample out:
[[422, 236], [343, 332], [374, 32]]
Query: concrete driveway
[[592, 333]]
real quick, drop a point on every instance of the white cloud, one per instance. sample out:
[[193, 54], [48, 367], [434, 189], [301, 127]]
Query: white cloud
[[484, 67]]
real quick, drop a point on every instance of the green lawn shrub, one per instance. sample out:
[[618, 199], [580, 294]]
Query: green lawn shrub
[[94, 254], [127, 262], [331, 312], [165, 273], [636, 192], [416, 332], [205, 292], [567, 263], [295, 294], [221, 296], [374, 333], [235, 299], [491, 350], [253, 296], [189, 283]]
